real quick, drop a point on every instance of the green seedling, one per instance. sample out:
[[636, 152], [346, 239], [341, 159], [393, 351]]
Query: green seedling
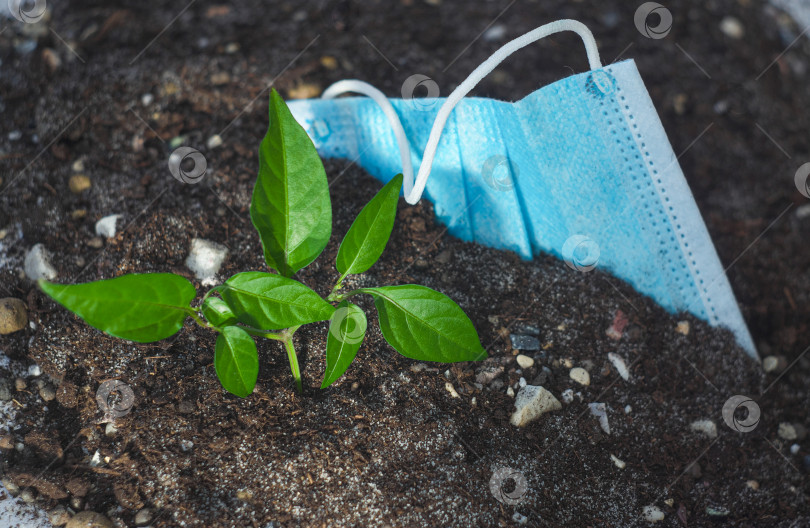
[[292, 212]]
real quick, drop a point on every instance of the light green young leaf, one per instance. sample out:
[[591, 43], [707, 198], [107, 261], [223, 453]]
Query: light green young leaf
[[272, 302], [424, 324], [347, 329], [290, 207], [236, 361], [217, 312], [370, 231], [139, 307]]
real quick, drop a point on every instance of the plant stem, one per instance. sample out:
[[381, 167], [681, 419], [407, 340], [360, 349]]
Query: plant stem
[[262, 333], [296, 372], [197, 319], [339, 284]]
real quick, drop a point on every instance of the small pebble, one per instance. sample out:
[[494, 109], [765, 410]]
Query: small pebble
[[14, 135], [205, 259], [531, 403], [7, 442], [600, 411], [88, 519], [214, 142], [106, 226], [619, 463], [732, 27], [794, 449], [12, 488], [451, 390], [231, 48], [444, 257], [96, 243], [38, 264], [186, 445], [355, 386], [682, 327], [580, 375], [487, 374], [28, 495], [787, 432], [496, 32], [774, 364], [519, 518], [147, 99], [627, 409], [13, 315], [524, 361], [47, 393], [568, 396], [185, 407], [78, 183], [652, 514], [34, 370], [753, 484], [143, 517], [20, 384], [77, 503], [620, 365], [524, 342], [305, 91], [522, 382], [705, 427], [78, 165], [716, 512], [510, 392], [110, 429], [58, 516]]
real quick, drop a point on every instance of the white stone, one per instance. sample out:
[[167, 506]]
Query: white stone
[[619, 463], [522, 382], [34, 371], [519, 518], [683, 327], [524, 361], [214, 142], [111, 429], [451, 390], [205, 259], [620, 365], [732, 27], [531, 403], [106, 226], [627, 409], [803, 211], [147, 98], [600, 411], [705, 427], [753, 484], [510, 392], [580, 375], [568, 396], [794, 449], [787, 431], [496, 32], [652, 514], [38, 264], [772, 364]]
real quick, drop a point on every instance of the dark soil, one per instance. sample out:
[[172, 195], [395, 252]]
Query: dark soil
[[388, 444]]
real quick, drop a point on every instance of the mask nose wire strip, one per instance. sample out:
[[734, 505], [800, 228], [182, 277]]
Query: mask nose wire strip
[[413, 189]]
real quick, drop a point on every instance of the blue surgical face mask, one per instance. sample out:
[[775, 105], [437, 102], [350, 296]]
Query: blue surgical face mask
[[581, 169]]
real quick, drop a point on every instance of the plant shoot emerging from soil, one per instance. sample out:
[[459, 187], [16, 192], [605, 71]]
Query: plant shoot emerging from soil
[[292, 212]]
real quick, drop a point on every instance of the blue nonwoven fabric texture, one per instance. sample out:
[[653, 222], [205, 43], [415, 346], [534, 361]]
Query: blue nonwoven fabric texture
[[581, 169]]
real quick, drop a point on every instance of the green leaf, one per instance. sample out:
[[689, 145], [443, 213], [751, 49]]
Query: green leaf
[[236, 361], [290, 207], [347, 329], [370, 231], [424, 324], [139, 307], [217, 312], [271, 302]]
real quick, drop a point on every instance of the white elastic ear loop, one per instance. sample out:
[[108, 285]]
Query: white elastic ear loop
[[482, 71], [413, 189], [363, 88]]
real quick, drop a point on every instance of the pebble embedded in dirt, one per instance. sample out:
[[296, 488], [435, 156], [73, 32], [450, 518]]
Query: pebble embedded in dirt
[[774, 364], [20, 384], [621, 464], [13, 315], [787, 431], [705, 427], [620, 365], [732, 27], [580, 375], [58, 516], [47, 393], [143, 517], [7, 442], [79, 183], [88, 519], [531, 403], [106, 226], [524, 361], [38, 264], [652, 514], [524, 342], [205, 259], [600, 411], [488, 373]]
